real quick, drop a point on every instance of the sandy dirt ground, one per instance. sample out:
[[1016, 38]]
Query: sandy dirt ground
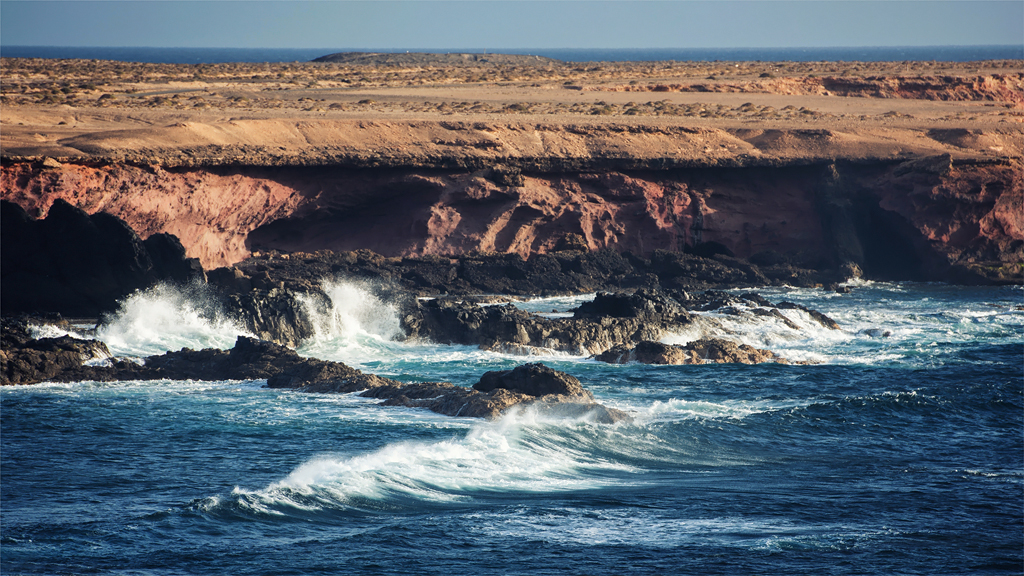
[[309, 113]]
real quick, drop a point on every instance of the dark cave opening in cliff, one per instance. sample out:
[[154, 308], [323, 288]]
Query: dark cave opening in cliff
[[893, 249]]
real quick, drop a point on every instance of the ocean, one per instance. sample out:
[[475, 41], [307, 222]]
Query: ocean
[[898, 453], [216, 55]]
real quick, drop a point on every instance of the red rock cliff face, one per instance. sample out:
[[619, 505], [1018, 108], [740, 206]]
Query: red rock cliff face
[[822, 214]]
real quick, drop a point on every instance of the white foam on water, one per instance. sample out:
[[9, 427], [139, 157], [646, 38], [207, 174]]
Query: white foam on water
[[167, 317], [678, 409], [652, 529], [51, 331], [358, 327], [806, 343], [556, 306], [879, 323], [524, 452], [352, 310]]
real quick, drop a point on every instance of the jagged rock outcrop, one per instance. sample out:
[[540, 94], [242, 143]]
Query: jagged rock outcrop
[[24, 360], [703, 351], [635, 317], [650, 306], [617, 322], [534, 385], [534, 380], [80, 265], [275, 315]]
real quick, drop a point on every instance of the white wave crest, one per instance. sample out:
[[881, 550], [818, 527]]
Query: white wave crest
[[523, 452], [167, 317]]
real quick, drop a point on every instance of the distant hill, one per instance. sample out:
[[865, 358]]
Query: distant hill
[[427, 58]]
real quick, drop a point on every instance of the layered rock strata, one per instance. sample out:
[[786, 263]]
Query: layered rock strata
[[940, 205]]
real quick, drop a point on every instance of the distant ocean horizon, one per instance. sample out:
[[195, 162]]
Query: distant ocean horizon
[[839, 54]]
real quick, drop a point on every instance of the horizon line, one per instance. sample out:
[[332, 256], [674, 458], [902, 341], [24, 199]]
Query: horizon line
[[475, 49]]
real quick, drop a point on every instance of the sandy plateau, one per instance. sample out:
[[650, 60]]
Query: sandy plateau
[[419, 156], [184, 114]]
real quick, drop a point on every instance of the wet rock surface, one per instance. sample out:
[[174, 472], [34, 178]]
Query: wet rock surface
[[532, 379], [703, 351], [611, 321], [509, 329], [28, 361]]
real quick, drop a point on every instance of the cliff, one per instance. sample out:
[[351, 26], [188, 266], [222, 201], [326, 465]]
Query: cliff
[[814, 198], [904, 174]]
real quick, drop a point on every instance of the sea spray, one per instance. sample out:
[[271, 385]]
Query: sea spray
[[168, 317], [351, 323], [351, 310]]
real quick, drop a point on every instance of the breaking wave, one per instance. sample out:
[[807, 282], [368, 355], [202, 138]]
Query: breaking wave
[[167, 317]]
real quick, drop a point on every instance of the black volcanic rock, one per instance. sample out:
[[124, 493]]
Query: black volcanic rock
[[642, 304], [703, 351], [507, 328], [560, 272], [533, 379], [24, 360], [817, 316], [80, 265]]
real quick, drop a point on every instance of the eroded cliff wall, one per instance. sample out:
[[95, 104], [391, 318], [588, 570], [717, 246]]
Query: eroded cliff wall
[[911, 219]]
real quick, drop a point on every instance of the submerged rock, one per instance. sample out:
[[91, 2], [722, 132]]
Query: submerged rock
[[817, 316]]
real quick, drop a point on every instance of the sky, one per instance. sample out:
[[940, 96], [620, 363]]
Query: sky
[[503, 24]]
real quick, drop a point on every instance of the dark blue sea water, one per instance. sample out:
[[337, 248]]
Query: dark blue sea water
[[893, 455], [214, 55]]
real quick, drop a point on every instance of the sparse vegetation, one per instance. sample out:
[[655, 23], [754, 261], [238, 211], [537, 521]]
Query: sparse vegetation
[[283, 86]]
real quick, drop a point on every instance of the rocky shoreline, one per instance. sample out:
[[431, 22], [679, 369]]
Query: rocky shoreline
[[270, 296], [448, 189], [28, 361]]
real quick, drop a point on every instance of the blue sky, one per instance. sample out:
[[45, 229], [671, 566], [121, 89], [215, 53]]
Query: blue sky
[[501, 24]]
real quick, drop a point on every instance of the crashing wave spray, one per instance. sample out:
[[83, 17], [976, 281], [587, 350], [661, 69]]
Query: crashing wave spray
[[350, 319], [168, 317]]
